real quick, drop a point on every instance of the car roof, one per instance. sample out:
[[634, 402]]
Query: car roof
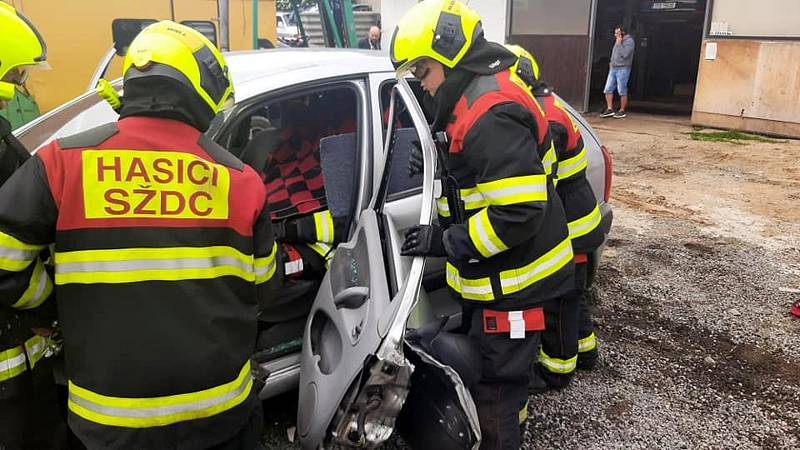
[[256, 71]]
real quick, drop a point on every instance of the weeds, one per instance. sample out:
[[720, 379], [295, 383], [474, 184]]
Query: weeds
[[733, 137]]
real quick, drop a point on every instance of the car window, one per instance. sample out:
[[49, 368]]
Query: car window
[[400, 183], [305, 148], [205, 27]]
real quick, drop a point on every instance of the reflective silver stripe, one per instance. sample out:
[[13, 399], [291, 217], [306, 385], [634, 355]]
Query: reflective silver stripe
[[483, 236], [559, 366], [159, 411], [293, 267], [261, 271], [38, 292], [467, 289], [498, 195], [15, 254], [565, 170], [549, 160], [152, 264], [34, 347], [588, 343], [517, 280], [472, 198], [12, 363], [479, 289], [442, 207], [585, 224]]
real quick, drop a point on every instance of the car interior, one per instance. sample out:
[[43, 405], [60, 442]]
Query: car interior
[[305, 146]]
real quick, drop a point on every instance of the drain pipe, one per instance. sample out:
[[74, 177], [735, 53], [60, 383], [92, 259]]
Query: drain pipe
[[224, 36]]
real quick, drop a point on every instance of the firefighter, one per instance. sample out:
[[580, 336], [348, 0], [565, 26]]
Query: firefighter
[[506, 238], [569, 340], [163, 251], [29, 416]]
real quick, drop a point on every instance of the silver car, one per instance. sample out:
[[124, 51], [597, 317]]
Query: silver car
[[342, 336]]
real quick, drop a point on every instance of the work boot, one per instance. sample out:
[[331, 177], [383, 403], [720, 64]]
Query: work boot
[[542, 380], [587, 360], [607, 113]]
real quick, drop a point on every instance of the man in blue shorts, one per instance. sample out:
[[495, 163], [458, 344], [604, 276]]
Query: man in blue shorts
[[619, 72]]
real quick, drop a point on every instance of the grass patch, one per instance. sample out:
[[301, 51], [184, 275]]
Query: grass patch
[[734, 137]]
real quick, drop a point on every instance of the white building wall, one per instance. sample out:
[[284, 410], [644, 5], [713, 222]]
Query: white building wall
[[761, 18]]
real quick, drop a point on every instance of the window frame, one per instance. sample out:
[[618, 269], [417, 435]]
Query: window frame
[[358, 86], [394, 196]]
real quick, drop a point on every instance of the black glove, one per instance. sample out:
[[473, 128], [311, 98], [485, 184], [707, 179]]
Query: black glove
[[306, 230], [284, 231], [424, 240], [415, 161]]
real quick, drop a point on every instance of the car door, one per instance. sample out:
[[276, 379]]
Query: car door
[[354, 377]]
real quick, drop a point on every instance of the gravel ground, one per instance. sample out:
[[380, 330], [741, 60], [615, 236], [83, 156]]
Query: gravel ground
[[698, 349]]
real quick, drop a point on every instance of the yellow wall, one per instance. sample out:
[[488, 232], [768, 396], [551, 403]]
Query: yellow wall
[[752, 85], [78, 33]]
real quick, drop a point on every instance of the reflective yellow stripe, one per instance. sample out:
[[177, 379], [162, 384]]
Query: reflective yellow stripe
[[159, 411], [556, 365], [588, 343], [572, 166], [16, 255], [472, 198], [12, 363], [442, 207], [483, 236], [480, 289], [585, 224], [34, 348], [523, 414], [515, 280], [265, 266], [39, 288], [550, 159], [323, 221], [129, 265], [323, 250], [508, 191]]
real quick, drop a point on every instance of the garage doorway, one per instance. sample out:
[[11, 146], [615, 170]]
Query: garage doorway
[[668, 37]]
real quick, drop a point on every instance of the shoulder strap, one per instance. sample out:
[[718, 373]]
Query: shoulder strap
[[89, 138], [219, 154]]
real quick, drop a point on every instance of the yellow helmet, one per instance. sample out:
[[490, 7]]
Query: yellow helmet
[[526, 67], [443, 30], [170, 50], [20, 45]]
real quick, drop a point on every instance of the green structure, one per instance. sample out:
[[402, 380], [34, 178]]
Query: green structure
[[21, 109]]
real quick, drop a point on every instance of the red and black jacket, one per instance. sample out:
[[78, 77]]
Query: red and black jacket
[[513, 249], [163, 250], [580, 203]]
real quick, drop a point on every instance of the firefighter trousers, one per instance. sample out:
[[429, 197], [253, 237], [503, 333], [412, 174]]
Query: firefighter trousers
[[569, 340], [249, 437], [30, 419], [587, 337], [501, 396]]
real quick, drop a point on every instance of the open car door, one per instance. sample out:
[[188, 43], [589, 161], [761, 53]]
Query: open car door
[[354, 376]]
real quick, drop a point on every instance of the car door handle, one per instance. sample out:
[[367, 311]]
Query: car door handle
[[351, 298]]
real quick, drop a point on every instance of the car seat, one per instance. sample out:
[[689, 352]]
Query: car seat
[[282, 321]]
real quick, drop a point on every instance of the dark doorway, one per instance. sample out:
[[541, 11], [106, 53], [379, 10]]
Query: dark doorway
[[668, 37]]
